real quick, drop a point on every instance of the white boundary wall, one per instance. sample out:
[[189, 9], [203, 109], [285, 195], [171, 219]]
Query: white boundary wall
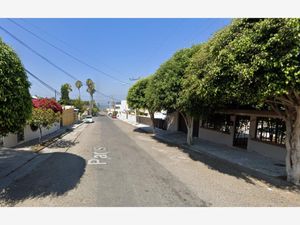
[[11, 139], [129, 118]]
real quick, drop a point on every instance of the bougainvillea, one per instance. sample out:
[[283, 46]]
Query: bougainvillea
[[47, 103], [44, 114]]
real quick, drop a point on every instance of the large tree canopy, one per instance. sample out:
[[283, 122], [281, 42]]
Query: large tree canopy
[[251, 62], [167, 86], [256, 61], [15, 99], [136, 94], [167, 81], [141, 96], [192, 99]]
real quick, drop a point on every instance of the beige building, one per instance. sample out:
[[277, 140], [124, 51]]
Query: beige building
[[69, 116], [245, 130]]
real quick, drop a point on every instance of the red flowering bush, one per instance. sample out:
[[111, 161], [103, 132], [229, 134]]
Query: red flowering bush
[[46, 103]]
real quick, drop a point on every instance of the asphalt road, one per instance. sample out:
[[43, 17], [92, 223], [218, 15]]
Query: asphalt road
[[114, 164]]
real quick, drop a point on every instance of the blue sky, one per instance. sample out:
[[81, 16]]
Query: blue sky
[[123, 48]]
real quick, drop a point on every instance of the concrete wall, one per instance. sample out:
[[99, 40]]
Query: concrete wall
[[144, 120], [269, 150], [206, 134], [266, 149], [215, 136], [11, 139], [124, 106], [130, 118], [68, 117], [158, 123]]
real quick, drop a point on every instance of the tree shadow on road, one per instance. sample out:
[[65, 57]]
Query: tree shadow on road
[[61, 143], [57, 175], [225, 167]]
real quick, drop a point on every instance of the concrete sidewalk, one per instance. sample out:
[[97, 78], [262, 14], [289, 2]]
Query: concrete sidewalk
[[249, 161], [11, 159]]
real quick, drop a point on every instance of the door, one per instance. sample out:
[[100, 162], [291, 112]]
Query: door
[[241, 131]]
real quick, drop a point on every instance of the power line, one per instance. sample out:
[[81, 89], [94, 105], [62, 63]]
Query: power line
[[44, 58], [43, 83], [102, 94], [66, 53], [66, 44], [53, 36], [38, 54]]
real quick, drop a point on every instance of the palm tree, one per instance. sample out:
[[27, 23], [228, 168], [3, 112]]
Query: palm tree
[[91, 90], [78, 84]]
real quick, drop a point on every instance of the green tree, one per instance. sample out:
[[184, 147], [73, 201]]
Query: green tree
[[78, 104], [95, 110], [78, 85], [192, 100], [167, 85], [91, 90], [139, 97], [65, 90], [256, 61], [43, 118], [15, 99]]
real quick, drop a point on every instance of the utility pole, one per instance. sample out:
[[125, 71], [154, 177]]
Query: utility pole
[[114, 105]]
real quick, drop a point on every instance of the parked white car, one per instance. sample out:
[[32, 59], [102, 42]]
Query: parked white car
[[88, 119]]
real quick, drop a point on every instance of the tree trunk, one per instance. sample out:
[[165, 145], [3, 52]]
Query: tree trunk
[[189, 125], [152, 120], [91, 105], [293, 147], [40, 137]]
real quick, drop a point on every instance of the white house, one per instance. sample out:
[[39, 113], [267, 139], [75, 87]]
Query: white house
[[25, 135]]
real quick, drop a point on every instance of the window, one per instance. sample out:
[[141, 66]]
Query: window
[[20, 136], [270, 130], [218, 122]]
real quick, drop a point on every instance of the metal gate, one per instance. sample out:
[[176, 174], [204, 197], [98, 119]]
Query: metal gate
[[241, 131]]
